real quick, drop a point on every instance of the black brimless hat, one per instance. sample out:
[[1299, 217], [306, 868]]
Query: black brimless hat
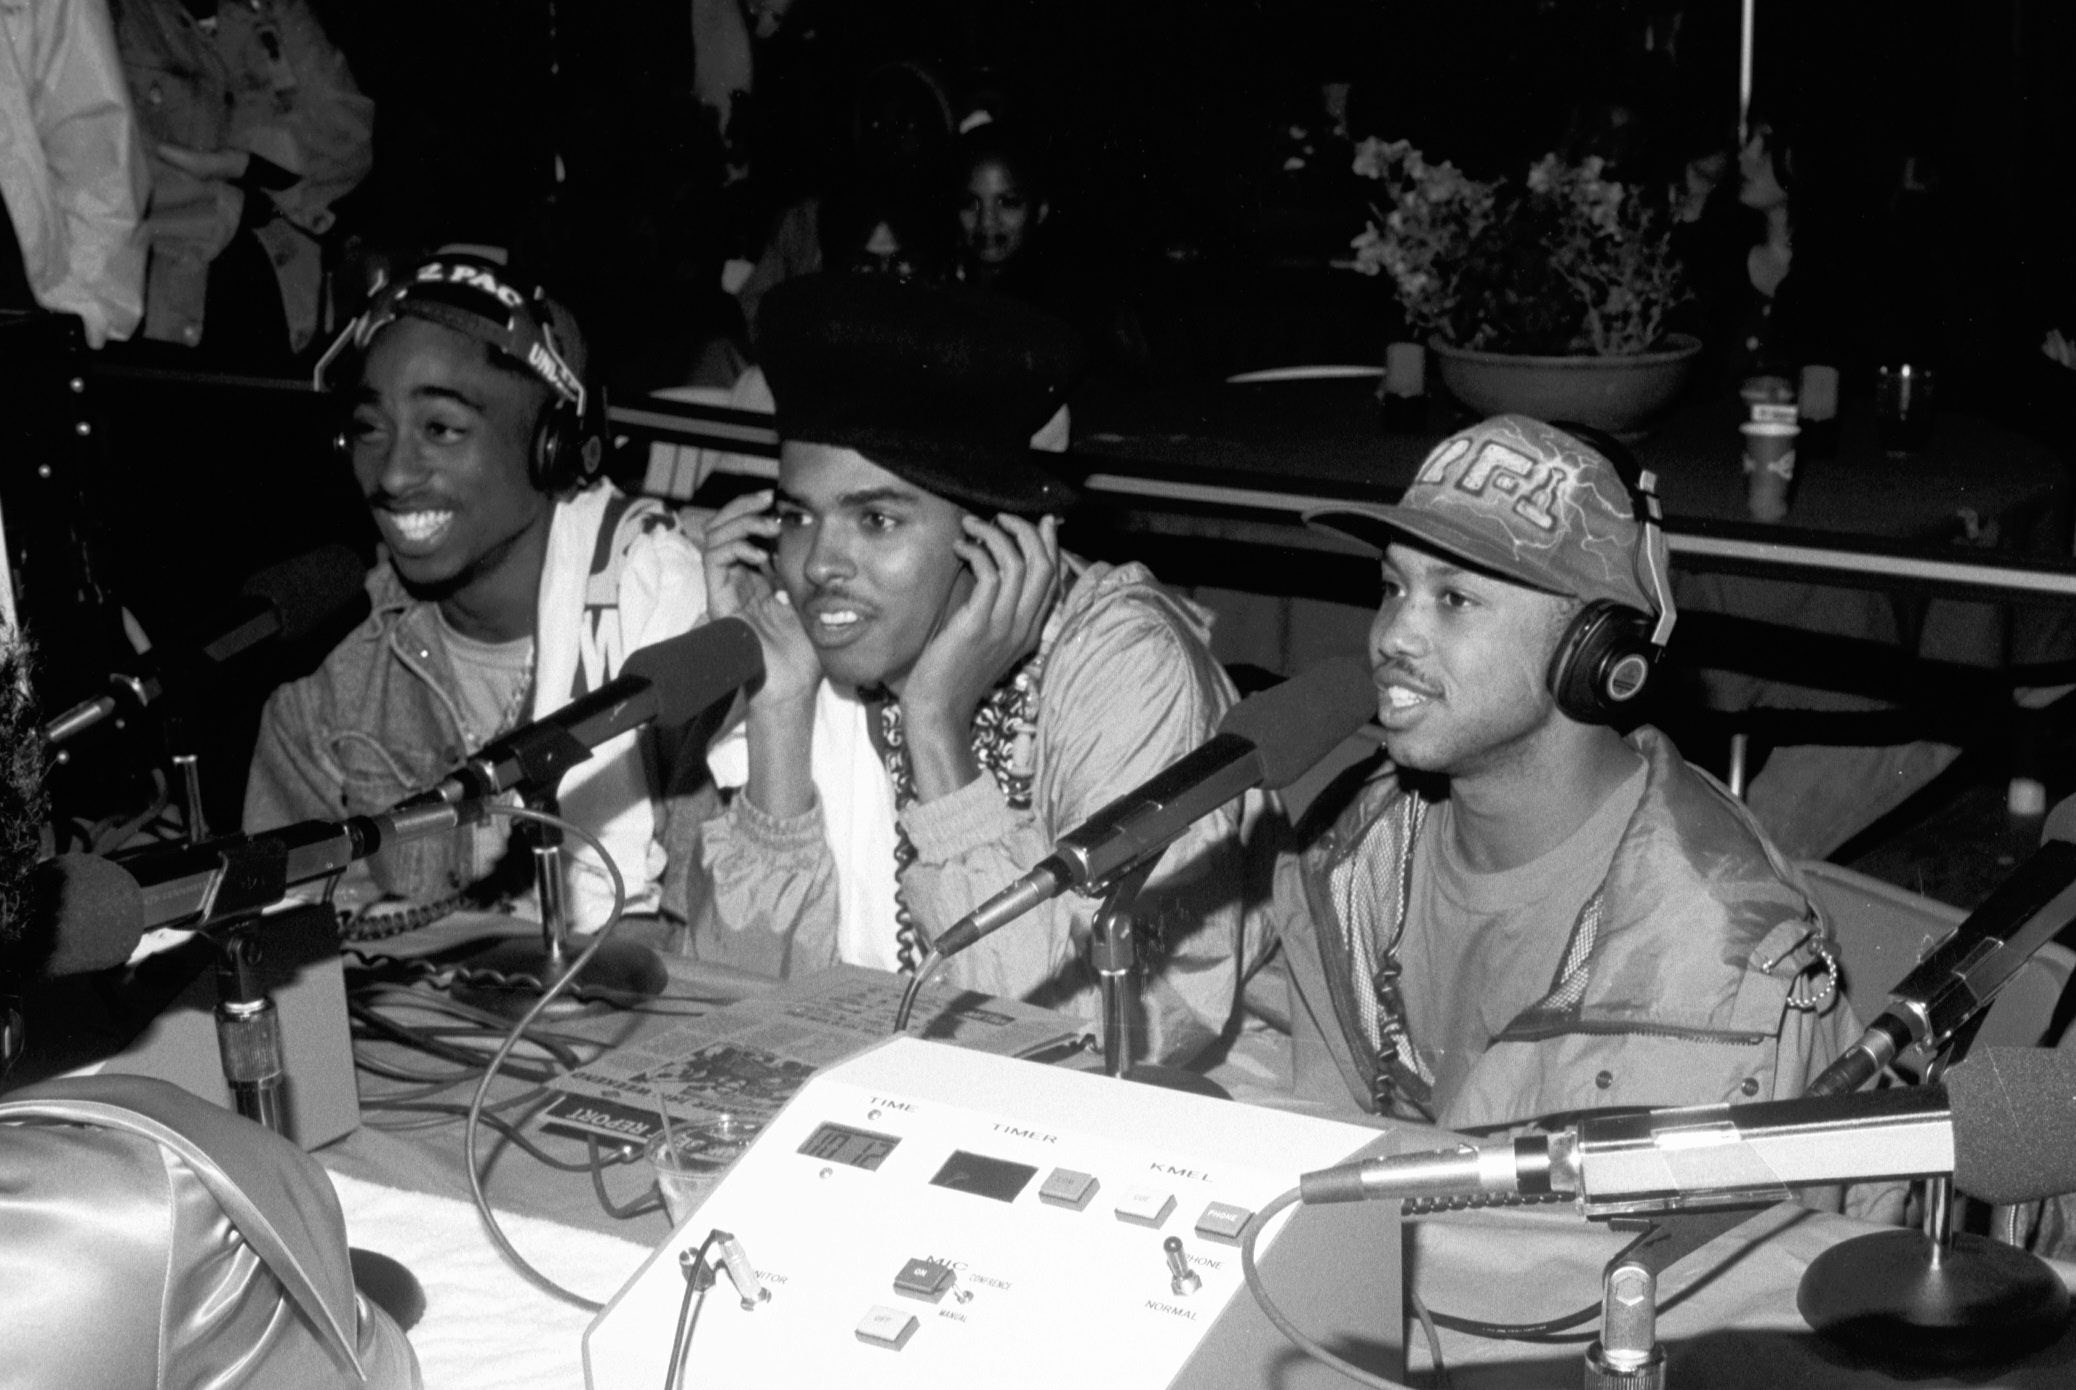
[[942, 386]]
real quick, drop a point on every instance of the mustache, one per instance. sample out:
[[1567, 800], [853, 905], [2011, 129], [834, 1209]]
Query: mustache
[[1393, 666]]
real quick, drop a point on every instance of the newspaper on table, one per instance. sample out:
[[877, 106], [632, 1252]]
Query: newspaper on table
[[749, 1058]]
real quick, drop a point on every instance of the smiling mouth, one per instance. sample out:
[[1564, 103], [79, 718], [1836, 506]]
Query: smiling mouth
[[1396, 698], [421, 529], [832, 624]]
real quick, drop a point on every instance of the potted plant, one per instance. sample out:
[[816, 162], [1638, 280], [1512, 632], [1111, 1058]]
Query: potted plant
[[1547, 296]]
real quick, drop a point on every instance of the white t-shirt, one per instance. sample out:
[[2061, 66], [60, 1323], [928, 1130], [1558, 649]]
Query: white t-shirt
[[1481, 947]]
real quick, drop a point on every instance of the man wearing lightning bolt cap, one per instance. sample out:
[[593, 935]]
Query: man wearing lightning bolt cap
[[1528, 911]]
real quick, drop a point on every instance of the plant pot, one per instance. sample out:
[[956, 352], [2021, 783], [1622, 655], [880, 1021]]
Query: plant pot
[[1623, 395]]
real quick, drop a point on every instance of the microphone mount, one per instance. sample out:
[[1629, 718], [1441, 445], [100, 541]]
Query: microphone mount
[[507, 976], [1934, 1294]]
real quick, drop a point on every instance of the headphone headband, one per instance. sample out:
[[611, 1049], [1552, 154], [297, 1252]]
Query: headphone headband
[[471, 296], [1657, 567]]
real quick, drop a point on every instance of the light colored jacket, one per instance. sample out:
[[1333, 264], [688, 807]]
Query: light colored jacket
[[270, 83], [1681, 996], [72, 171], [1129, 685], [379, 719]]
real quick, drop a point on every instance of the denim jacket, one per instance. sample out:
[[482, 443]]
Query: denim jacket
[[266, 80], [379, 720]]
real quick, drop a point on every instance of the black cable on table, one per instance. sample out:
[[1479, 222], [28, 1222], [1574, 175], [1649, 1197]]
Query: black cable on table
[[512, 1039], [699, 1277], [640, 1206], [481, 1022], [1550, 1330], [504, 1127], [434, 1042], [1297, 1336]]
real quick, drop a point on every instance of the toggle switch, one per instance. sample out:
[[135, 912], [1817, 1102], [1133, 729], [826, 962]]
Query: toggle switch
[[1181, 1278]]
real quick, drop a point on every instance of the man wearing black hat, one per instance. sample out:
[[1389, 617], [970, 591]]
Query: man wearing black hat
[[512, 581], [1525, 912], [945, 691]]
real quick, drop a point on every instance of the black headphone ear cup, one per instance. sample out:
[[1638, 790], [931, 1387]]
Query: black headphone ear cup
[[547, 451], [1603, 663], [564, 453]]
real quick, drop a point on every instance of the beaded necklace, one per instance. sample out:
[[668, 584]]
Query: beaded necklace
[[1005, 744]]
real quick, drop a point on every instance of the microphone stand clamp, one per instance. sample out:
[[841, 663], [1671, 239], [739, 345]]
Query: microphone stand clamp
[[509, 974], [1113, 954]]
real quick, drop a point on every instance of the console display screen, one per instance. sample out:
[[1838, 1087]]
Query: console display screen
[[858, 1148], [984, 1176]]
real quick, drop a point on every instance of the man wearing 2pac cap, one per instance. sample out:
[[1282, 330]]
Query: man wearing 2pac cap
[[1526, 912], [946, 691], [512, 581]]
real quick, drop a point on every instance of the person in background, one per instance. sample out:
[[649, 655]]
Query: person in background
[[512, 581], [72, 174], [883, 224], [1006, 241], [946, 691], [900, 128], [1770, 298], [257, 131], [1525, 912], [1001, 203]]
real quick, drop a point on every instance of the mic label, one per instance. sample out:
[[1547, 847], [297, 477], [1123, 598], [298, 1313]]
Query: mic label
[[1174, 1170]]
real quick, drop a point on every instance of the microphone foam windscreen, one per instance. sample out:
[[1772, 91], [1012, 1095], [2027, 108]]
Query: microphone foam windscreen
[[696, 670], [89, 911], [309, 590], [1296, 724], [2014, 1123]]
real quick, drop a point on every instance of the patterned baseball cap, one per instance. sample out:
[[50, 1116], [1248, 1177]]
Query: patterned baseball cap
[[1527, 502]]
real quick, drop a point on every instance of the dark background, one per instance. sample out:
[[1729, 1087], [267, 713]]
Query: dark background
[[1167, 123]]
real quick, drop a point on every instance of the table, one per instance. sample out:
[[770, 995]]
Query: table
[[405, 1196], [1175, 468], [1327, 437]]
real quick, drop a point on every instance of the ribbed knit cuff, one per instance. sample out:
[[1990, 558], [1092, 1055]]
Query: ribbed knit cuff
[[750, 823], [974, 815]]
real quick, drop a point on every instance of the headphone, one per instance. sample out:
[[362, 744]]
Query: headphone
[[1604, 661], [476, 297]]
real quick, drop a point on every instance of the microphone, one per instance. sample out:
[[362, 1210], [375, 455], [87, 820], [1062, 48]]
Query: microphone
[[671, 682], [90, 910], [1268, 740], [2003, 1122], [288, 601], [1959, 976], [94, 910]]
